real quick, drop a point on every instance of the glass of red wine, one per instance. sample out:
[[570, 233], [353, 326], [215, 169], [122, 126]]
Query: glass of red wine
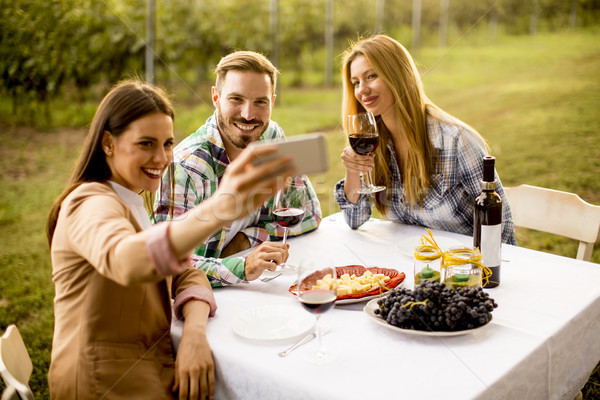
[[288, 209], [317, 292], [364, 138]]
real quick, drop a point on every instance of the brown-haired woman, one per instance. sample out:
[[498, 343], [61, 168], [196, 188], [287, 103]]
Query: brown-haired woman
[[115, 273], [429, 161]]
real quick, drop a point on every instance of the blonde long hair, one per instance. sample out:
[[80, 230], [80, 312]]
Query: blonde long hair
[[394, 65]]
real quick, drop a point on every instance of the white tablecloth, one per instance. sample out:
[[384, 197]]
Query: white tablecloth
[[542, 343]]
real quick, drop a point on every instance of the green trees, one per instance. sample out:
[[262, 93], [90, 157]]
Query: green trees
[[47, 45], [53, 46]]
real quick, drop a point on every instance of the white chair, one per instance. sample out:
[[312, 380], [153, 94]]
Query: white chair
[[556, 212], [15, 365]]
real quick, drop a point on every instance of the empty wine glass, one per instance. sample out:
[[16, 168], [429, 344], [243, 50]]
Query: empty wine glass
[[317, 291], [364, 139], [289, 209]]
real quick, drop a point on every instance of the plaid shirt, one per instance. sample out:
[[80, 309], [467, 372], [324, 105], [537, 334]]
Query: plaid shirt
[[200, 161], [449, 202]]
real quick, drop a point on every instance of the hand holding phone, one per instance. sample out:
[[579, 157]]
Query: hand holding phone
[[309, 152]]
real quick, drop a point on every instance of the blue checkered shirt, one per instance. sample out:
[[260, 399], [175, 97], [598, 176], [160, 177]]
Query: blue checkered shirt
[[449, 202]]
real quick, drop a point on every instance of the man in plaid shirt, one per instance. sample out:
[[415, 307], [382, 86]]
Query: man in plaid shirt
[[243, 96]]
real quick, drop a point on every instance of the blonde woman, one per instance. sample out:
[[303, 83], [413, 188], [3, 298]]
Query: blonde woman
[[115, 273], [429, 161]]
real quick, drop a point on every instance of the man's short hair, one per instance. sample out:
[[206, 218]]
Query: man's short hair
[[246, 61]]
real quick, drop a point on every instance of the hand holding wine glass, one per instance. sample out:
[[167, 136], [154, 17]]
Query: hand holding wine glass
[[364, 139], [289, 209], [317, 292]]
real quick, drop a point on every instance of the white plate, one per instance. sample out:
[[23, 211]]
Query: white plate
[[372, 305], [357, 300], [273, 322], [407, 246]]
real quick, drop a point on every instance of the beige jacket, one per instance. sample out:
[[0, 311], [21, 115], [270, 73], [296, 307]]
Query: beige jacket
[[112, 306]]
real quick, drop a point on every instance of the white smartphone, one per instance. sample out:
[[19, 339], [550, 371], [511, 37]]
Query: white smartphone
[[309, 152]]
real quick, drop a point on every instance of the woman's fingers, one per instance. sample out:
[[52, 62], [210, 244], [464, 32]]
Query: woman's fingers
[[183, 387], [194, 364], [193, 395], [205, 383], [210, 382], [248, 183], [256, 164], [249, 176], [355, 162], [249, 156], [176, 384]]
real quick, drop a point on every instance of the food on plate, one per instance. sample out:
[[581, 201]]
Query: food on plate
[[352, 284], [357, 278], [432, 306]]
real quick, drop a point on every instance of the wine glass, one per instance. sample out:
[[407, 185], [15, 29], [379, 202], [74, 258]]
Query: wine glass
[[289, 209], [317, 291], [364, 138]]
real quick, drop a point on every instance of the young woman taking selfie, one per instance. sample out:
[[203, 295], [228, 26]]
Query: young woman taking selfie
[[115, 274]]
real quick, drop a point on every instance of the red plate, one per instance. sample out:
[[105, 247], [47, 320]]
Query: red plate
[[395, 279]]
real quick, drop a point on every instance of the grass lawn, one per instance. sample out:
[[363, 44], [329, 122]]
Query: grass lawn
[[535, 99]]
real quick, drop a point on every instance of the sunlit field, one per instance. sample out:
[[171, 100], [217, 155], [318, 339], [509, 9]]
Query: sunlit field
[[535, 100]]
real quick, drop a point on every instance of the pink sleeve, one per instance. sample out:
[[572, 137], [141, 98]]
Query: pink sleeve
[[160, 251], [196, 292]]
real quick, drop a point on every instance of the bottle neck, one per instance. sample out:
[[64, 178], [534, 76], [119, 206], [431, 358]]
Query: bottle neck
[[485, 185]]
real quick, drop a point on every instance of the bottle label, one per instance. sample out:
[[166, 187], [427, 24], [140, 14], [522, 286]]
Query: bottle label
[[491, 245]]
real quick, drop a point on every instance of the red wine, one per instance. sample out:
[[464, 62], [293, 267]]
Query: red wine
[[317, 301], [288, 217], [363, 144], [487, 224]]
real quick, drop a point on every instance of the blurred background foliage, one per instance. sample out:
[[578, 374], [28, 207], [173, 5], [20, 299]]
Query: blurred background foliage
[[51, 48], [522, 72]]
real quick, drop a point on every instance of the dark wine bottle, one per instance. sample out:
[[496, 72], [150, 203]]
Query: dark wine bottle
[[487, 225]]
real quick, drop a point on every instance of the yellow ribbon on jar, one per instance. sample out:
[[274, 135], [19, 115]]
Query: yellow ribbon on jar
[[452, 257], [428, 249], [427, 253]]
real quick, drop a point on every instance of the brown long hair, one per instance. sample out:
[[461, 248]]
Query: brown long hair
[[124, 103], [394, 65]]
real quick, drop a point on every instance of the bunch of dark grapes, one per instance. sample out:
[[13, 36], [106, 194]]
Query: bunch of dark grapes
[[434, 307]]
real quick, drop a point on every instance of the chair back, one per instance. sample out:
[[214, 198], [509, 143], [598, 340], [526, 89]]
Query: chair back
[[15, 365], [556, 212]]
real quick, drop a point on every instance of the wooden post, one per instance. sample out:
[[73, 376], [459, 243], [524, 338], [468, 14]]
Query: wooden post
[[274, 40], [493, 24], [416, 28], [534, 18], [379, 16], [150, 42], [444, 7], [329, 44], [573, 14]]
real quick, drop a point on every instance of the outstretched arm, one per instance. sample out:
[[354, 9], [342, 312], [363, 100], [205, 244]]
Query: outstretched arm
[[244, 188]]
